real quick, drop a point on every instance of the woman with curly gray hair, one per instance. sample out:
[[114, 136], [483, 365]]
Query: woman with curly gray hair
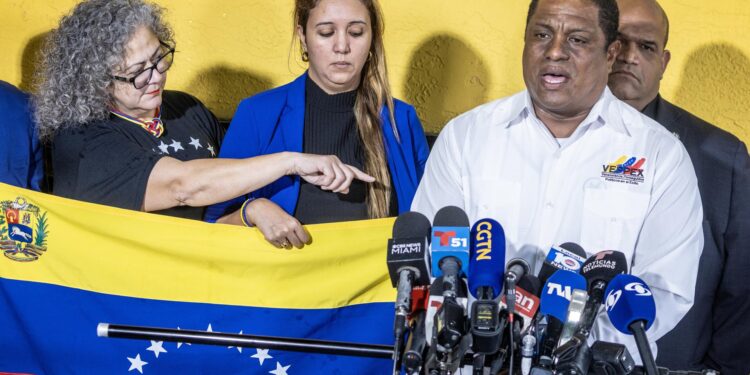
[[120, 139]]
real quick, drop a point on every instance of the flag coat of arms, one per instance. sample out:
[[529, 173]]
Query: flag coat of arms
[[69, 265]]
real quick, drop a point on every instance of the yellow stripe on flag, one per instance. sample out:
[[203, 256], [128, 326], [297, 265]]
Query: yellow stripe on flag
[[128, 253]]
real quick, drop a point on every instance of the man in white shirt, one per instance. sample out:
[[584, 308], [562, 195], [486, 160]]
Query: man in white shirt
[[565, 160]]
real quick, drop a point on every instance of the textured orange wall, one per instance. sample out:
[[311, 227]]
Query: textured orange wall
[[445, 56]]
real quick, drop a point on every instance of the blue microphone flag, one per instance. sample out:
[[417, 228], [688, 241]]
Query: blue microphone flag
[[629, 299], [450, 238], [558, 292], [487, 257]]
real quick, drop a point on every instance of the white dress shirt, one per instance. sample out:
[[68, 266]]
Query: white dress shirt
[[500, 161]]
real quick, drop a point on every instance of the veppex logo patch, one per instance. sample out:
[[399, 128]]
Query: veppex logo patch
[[625, 169]]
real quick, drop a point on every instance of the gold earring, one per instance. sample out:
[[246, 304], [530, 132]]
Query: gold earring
[[305, 56]]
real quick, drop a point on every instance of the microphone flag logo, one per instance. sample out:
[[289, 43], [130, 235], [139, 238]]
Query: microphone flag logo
[[445, 236], [612, 299], [602, 254], [638, 288]]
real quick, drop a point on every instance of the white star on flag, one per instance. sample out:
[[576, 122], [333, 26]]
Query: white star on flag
[[164, 148], [136, 364], [261, 355], [211, 148], [280, 370], [176, 145], [239, 348], [179, 344], [195, 143], [209, 329], [157, 347]]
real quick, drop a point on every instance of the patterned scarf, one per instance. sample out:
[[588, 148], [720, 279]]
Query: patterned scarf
[[155, 126]]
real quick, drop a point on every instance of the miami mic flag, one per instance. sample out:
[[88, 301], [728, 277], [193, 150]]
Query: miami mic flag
[[67, 266]]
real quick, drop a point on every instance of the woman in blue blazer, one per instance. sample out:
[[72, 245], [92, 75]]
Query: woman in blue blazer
[[341, 106]]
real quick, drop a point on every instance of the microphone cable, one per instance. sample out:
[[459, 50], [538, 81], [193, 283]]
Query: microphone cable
[[511, 328]]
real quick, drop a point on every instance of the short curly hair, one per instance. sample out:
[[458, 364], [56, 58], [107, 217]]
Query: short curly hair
[[609, 18], [74, 83]]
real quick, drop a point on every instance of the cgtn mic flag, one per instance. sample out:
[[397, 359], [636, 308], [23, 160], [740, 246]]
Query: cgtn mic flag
[[68, 265]]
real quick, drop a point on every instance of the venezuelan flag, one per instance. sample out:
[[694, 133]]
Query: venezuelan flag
[[79, 264]]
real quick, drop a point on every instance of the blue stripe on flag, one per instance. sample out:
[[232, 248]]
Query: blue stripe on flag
[[50, 329]]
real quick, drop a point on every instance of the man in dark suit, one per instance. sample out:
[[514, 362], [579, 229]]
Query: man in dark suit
[[716, 332]]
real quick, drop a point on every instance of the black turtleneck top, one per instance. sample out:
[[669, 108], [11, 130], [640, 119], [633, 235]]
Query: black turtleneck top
[[330, 129]]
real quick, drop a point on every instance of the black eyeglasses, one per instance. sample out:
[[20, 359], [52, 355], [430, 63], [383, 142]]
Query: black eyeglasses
[[162, 64]]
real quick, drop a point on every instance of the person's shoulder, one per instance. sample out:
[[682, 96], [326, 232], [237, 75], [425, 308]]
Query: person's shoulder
[[638, 124], [11, 96], [82, 134], [400, 106], [274, 95], [700, 128], [496, 112], [180, 99]]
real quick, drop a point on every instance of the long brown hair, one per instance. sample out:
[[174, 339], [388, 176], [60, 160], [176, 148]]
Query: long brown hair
[[373, 92]]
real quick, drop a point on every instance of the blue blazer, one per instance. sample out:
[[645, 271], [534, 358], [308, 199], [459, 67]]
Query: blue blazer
[[273, 121], [21, 161]]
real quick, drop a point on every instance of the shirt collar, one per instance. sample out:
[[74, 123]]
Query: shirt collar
[[604, 112]]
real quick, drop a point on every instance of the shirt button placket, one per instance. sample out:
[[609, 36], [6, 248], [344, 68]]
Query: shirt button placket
[[549, 216]]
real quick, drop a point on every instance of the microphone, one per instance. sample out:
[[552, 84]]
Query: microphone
[[598, 270], [554, 302], [450, 241], [526, 302], [415, 347], [486, 261], [517, 268], [445, 324], [450, 260], [518, 319], [487, 258], [408, 265], [631, 309], [558, 292], [573, 354], [568, 256]]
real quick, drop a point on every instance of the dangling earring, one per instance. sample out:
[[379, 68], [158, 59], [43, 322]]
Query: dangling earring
[[305, 56]]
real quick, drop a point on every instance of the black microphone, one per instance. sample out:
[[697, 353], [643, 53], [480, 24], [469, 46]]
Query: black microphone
[[446, 326], [518, 318], [574, 356], [408, 266], [598, 270], [568, 256], [415, 348], [516, 269]]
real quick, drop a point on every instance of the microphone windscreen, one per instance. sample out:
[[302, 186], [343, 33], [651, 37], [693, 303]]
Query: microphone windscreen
[[562, 258], [531, 284], [450, 239], [411, 225], [604, 266], [486, 257], [558, 291], [575, 249], [450, 216], [628, 300]]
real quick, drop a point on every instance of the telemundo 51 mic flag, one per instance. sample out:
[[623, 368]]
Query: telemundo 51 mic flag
[[69, 265]]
